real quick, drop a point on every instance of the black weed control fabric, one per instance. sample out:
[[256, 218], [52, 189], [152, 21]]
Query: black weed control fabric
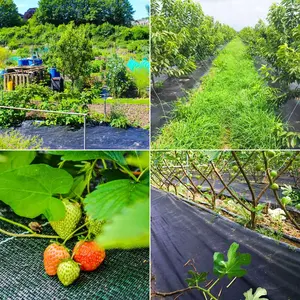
[[97, 136], [182, 231], [123, 274]]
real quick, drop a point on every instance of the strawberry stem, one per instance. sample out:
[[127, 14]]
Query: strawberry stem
[[31, 235], [72, 234], [17, 224]]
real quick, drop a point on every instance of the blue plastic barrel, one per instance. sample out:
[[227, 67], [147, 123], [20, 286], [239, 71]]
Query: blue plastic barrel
[[38, 61], [54, 73], [2, 72]]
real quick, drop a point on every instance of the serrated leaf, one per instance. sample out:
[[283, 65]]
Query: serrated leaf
[[127, 230], [256, 296], [29, 190], [117, 156], [112, 197], [15, 159], [232, 267]]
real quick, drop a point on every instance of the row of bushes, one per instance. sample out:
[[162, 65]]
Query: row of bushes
[[36, 34]]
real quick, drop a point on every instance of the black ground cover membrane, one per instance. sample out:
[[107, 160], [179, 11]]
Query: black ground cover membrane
[[97, 137], [163, 99], [181, 231], [123, 274]]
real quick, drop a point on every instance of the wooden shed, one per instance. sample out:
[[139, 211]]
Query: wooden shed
[[15, 76]]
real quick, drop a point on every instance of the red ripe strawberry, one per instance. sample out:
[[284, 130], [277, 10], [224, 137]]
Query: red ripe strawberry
[[89, 255], [53, 255]]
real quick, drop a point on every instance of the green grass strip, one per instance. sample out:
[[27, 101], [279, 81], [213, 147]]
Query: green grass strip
[[232, 110]]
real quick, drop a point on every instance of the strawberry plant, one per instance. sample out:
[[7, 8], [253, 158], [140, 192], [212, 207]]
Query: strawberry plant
[[102, 197]]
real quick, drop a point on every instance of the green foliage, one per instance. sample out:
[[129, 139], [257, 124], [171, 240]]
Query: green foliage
[[137, 235], [13, 160], [232, 88], [196, 278], [81, 12], [278, 43], [4, 56], [72, 53], [141, 80], [257, 295], [116, 156], [30, 190], [116, 195], [15, 140], [233, 267], [182, 34], [101, 179], [117, 117], [9, 15], [117, 78]]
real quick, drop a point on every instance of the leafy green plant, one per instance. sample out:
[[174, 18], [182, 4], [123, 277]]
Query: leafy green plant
[[110, 186], [117, 78], [13, 139], [231, 268], [141, 80]]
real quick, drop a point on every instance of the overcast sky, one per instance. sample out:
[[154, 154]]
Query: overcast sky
[[138, 6], [237, 13]]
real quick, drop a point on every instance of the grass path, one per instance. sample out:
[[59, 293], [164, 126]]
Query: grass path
[[232, 109]]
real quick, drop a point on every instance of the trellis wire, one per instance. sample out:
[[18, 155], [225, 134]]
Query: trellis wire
[[55, 112]]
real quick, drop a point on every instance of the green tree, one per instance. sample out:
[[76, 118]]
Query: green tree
[[116, 12], [117, 78], [73, 53], [9, 15], [182, 34]]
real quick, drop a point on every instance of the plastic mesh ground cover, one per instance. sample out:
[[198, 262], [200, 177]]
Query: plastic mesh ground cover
[[181, 231], [123, 275]]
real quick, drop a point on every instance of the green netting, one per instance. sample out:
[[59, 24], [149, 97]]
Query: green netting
[[123, 275]]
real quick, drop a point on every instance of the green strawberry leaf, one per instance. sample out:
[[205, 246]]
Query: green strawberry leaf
[[117, 156], [138, 159], [29, 191], [232, 267], [111, 198], [78, 187], [127, 230], [15, 159], [196, 278], [257, 295]]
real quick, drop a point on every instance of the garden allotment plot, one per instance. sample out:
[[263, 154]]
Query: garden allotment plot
[[72, 81]]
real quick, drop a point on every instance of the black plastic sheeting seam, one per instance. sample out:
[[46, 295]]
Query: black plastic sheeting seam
[[181, 231]]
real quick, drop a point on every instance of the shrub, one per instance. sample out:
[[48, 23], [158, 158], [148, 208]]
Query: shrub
[[141, 80], [15, 140], [117, 78], [118, 118]]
